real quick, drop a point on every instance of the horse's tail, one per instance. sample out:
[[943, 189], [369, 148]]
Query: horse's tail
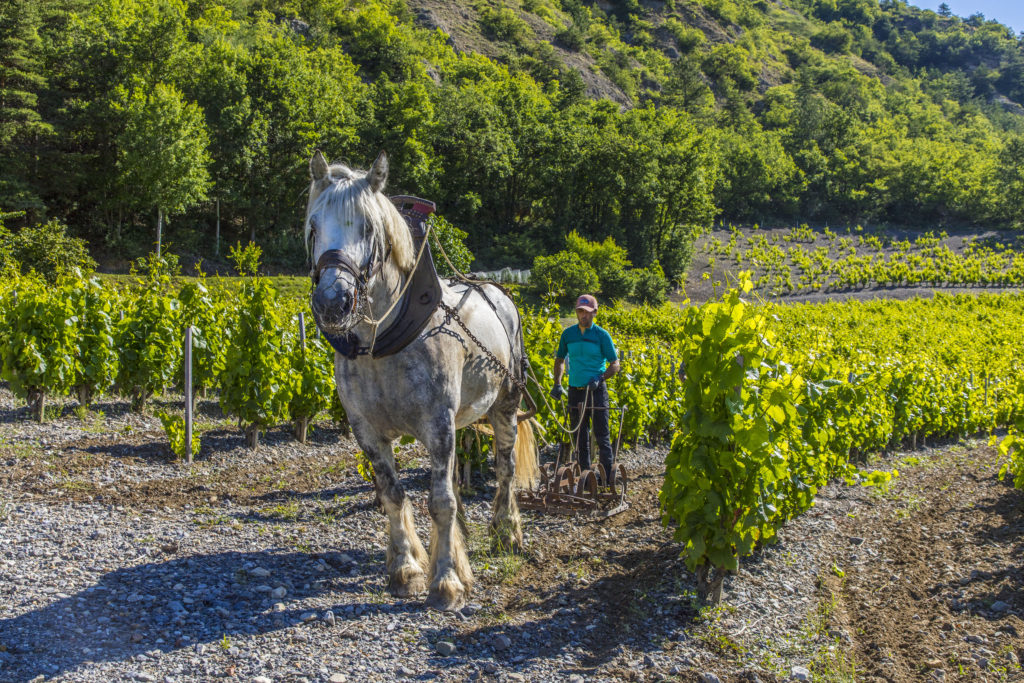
[[527, 460]]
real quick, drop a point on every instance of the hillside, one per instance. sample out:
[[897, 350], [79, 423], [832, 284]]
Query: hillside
[[640, 121]]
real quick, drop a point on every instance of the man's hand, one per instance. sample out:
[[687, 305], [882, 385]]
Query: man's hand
[[557, 392], [595, 382]]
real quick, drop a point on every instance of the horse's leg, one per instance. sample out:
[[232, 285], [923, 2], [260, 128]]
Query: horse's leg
[[451, 577], [405, 557], [506, 526]]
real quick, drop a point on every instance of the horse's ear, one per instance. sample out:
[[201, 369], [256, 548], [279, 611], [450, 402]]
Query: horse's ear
[[378, 173], [318, 166]]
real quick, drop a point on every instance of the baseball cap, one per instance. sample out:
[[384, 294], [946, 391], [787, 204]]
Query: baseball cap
[[587, 303]]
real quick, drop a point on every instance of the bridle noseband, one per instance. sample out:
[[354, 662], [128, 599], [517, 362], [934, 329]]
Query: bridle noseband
[[336, 258]]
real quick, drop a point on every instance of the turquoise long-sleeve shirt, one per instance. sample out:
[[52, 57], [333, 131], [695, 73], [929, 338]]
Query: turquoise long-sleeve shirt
[[587, 352]]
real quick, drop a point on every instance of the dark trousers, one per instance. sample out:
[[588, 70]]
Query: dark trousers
[[596, 410]]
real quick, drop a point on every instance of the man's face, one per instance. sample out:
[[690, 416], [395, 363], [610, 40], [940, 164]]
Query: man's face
[[585, 317]]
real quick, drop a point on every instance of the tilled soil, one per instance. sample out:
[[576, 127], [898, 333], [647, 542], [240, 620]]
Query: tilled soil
[[118, 562]]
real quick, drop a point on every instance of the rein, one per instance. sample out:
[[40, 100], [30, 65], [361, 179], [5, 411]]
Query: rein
[[396, 300]]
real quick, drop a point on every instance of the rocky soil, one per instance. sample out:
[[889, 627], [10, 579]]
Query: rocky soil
[[119, 562]]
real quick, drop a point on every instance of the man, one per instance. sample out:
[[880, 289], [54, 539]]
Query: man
[[592, 360]]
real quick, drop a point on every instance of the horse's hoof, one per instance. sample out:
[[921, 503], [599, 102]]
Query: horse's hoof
[[445, 604], [506, 539], [408, 584], [447, 595], [410, 589]]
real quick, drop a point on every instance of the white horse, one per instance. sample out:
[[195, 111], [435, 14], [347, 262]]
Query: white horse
[[363, 254]]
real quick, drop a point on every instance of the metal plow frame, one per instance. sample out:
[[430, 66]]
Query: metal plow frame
[[566, 490]]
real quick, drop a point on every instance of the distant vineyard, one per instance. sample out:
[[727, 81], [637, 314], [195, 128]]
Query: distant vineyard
[[803, 260]]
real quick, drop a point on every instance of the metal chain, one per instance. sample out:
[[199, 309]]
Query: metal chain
[[454, 315]]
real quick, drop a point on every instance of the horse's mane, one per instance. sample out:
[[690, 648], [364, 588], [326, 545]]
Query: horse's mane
[[348, 190]]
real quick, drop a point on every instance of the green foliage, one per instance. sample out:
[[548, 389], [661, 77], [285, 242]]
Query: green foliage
[[452, 241], [735, 469], [364, 467], [609, 261], [174, 428], [256, 382], [313, 377], [150, 336], [651, 285], [162, 149], [564, 275], [503, 24], [22, 80], [9, 266], [96, 357], [865, 260], [246, 259], [1012, 448], [38, 356], [162, 104], [48, 250], [210, 319]]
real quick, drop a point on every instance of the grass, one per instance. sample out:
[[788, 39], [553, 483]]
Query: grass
[[6, 508], [829, 663], [824, 654], [287, 286], [287, 512], [498, 562], [19, 450], [75, 485], [378, 595]]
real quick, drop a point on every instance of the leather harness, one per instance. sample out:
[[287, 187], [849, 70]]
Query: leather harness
[[417, 305]]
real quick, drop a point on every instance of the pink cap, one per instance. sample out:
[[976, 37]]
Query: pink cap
[[587, 303]]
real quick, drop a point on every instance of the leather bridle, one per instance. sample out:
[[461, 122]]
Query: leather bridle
[[336, 258]]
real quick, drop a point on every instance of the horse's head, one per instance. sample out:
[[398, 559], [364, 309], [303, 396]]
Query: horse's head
[[352, 233]]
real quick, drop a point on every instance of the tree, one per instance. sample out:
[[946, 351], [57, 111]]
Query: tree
[[106, 65], [162, 155], [1010, 178], [21, 125]]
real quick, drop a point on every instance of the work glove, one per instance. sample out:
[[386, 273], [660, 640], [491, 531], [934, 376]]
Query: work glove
[[595, 382], [557, 392]]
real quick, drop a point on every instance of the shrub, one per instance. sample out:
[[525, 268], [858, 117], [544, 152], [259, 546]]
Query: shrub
[[571, 38], [453, 241], [503, 24], [565, 275], [686, 37], [833, 38], [8, 263], [651, 285], [609, 261], [47, 249]]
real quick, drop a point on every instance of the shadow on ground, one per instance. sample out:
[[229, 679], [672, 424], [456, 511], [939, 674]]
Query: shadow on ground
[[137, 610]]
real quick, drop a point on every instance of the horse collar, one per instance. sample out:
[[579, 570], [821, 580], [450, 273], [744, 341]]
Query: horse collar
[[416, 306]]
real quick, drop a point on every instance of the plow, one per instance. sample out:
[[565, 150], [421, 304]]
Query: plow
[[566, 489]]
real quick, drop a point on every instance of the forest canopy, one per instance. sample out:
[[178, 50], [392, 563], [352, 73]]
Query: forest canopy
[[640, 123]]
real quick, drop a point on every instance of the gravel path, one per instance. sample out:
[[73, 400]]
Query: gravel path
[[119, 563]]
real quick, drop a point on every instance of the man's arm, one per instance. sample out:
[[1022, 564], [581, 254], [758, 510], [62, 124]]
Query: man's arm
[[612, 356], [559, 369]]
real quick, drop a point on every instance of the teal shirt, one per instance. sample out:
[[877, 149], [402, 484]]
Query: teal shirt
[[588, 353]]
